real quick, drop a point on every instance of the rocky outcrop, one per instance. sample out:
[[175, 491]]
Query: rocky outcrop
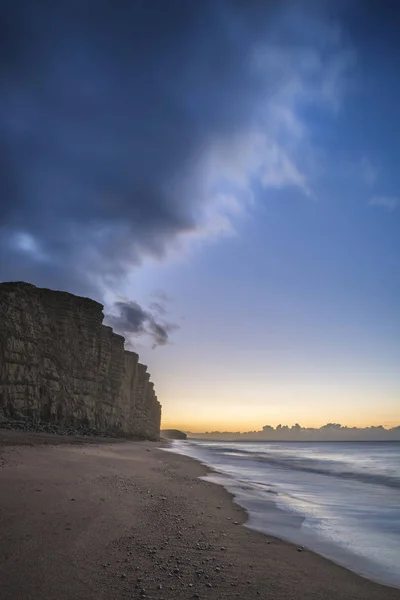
[[60, 364], [173, 434]]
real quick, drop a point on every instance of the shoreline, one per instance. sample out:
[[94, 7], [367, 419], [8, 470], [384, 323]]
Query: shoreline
[[105, 520], [285, 526]]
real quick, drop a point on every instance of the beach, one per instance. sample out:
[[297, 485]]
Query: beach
[[105, 519], [308, 493]]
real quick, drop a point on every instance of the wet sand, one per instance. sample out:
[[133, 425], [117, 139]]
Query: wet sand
[[105, 520]]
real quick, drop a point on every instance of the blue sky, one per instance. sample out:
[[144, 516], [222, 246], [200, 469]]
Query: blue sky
[[242, 160]]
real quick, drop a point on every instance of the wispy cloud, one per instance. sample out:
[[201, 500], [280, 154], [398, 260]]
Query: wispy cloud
[[275, 149], [369, 173], [389, 203], [131, 320]]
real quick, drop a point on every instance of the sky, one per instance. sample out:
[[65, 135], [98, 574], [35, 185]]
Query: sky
[[223, 176]]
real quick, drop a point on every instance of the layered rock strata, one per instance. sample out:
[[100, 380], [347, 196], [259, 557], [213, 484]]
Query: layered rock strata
[[60, 364]]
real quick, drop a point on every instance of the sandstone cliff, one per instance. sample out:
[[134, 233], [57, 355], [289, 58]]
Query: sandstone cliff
[[59, 363]]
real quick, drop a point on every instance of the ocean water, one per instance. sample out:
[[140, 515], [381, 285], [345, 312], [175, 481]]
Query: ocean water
[[341, 500]]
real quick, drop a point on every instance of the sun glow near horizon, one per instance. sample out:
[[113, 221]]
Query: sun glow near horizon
[[238, 420], [234, 427], [204, 406]]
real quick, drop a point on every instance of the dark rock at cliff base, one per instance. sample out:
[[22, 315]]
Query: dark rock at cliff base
[[173, 434]]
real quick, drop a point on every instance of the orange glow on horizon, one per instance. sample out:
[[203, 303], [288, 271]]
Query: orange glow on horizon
[[202, 427], [241, 406]]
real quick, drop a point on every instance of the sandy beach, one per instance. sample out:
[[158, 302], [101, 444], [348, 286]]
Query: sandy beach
[[102, 519]]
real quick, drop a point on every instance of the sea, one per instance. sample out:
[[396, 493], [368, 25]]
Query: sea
[[341, 500]]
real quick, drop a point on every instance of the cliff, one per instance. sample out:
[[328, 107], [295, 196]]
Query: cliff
[[60, 364]]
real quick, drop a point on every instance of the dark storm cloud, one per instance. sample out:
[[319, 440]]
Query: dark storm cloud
[[103, 109], [157, 308], [130, 319]]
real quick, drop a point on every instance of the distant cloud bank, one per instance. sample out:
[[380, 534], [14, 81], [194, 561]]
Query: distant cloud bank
[[328, 432], [387, 202]]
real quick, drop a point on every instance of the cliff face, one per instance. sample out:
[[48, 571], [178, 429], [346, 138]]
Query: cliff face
[[59, 363]]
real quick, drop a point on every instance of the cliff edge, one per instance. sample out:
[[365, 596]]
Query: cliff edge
[[60, 364]]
